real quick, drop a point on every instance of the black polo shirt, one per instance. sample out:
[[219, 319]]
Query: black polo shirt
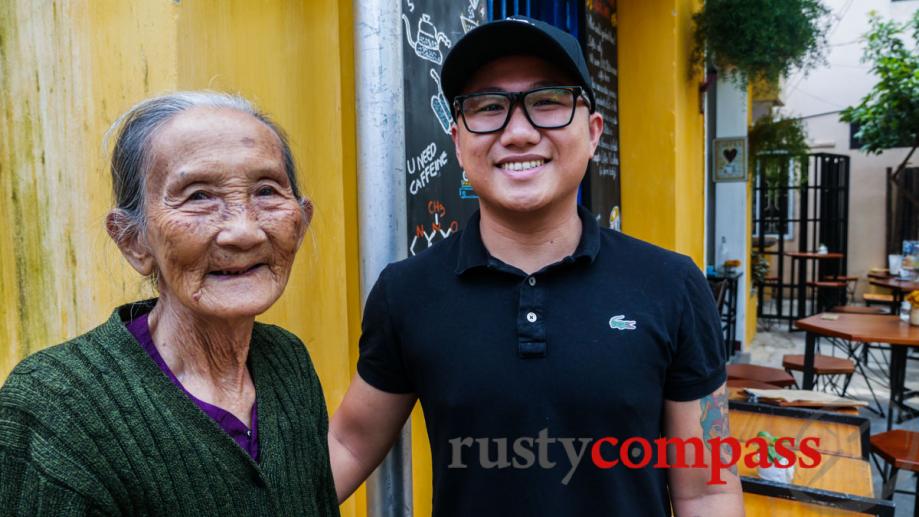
[[517, 374]]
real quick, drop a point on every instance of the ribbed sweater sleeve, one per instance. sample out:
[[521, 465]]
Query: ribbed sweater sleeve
[[43, 496], [93, 427], [25, 489], [42, 470]]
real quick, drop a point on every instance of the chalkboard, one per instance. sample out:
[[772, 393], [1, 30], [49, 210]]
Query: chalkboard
[[439, 200], [600, 50]]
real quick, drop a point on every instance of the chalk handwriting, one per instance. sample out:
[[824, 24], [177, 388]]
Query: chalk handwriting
[[425, 167], [600, 44]]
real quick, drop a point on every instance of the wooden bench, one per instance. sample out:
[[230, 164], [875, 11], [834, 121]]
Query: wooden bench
[[750, 383], [774, 376], [878, 298], [824, 366], [827, 284], [842, 278]]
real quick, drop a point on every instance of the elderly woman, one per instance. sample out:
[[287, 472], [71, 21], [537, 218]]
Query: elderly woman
[[181, 405]]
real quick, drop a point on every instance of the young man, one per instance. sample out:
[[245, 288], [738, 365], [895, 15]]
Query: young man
[[536, 342]]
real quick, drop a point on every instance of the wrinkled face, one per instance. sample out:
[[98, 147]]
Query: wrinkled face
[[223, 224], [522, 168]]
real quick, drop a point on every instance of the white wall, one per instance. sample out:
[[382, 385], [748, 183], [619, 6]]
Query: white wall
[[731, 210]]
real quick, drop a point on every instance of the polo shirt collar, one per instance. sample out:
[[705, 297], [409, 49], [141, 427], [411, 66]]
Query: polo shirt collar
[[472, 252]]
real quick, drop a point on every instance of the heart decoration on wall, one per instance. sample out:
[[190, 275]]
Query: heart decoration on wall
[[730, 157]]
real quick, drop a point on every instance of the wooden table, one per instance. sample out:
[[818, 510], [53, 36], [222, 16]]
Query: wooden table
[[803, 257], [840, 485], [863, 328], [899, 287]]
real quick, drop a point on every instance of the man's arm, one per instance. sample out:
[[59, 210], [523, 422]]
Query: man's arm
[[362, 431], [691, 493]]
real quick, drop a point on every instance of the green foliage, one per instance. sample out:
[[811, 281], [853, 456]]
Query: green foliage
[[770, 443], [759, 267], [773, 142], [761, 39], [889, 115]]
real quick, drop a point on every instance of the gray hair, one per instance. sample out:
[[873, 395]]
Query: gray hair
[[131, 156]]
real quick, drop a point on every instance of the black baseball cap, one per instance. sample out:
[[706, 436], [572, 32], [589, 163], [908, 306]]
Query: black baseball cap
[[512, 36]]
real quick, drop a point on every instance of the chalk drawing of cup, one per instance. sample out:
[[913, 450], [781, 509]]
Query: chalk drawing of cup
[[427, 39], [465, 190], [468, 23], [439, 105]]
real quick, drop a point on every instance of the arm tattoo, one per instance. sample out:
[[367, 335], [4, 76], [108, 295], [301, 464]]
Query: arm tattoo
[[714, 422]]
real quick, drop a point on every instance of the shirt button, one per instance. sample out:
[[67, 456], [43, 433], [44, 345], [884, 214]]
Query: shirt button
[[249, 433], [531, 317], [531, 281]]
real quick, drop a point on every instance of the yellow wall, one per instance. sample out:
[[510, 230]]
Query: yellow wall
[[67, 69], [661, 129], [422, 478], [65, 76]]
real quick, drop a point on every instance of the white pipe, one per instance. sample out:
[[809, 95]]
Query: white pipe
[[381, 200]]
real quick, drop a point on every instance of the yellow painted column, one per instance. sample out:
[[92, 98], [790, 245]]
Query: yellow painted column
[[746, 287], [661, 128], [68, 69]]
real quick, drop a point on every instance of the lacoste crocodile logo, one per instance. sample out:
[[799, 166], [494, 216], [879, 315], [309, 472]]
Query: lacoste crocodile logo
[[620, 323]]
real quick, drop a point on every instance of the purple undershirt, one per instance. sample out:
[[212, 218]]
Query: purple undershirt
[[237, 430]]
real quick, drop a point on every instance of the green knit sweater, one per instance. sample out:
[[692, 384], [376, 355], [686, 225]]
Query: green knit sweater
[[94, 427]]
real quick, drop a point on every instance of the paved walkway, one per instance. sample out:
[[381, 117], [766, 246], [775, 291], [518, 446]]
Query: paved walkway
[[772, 342]]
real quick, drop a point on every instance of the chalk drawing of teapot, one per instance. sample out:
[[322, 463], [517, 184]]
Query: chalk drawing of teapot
[[427, 39], [439, 105]]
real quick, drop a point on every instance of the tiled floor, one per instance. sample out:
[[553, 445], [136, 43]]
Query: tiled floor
[[772, 343]]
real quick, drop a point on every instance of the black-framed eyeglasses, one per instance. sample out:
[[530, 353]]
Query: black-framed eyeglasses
[[551, 107]]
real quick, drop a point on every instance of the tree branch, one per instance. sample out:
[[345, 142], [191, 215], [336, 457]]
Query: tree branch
[[895, 178], [902, 166]]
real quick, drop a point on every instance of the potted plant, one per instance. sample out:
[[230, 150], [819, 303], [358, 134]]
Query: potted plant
[[759, 268], [775, 472], [913, 299], [760, 39]]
